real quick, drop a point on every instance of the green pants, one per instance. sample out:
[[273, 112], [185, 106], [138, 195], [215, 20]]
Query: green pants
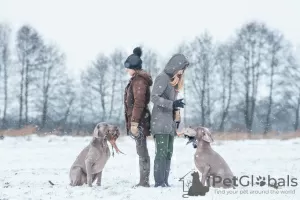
[[164, 146]]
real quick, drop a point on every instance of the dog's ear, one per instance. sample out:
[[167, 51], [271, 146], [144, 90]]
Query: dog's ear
[[96, 132], [207, 135], [100, 130]]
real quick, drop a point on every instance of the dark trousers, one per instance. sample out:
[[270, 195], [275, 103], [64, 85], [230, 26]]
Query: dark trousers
[[163, 156], [141, 147], [144, 160], [164, 146]]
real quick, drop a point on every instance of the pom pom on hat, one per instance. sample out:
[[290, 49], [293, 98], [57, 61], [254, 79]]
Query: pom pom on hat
[[137, 51]]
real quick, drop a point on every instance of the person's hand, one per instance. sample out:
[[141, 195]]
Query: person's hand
[[134, 128], [178, 103]]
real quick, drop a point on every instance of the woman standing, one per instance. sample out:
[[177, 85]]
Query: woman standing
[[166, 115], [137, 114]]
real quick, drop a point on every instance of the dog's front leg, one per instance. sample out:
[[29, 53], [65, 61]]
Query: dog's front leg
[[88, 164], [99, 177], [206, 169]]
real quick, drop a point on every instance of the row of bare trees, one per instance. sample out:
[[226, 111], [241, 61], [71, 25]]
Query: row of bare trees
[[249, 83], [34, 80], [246, 83]]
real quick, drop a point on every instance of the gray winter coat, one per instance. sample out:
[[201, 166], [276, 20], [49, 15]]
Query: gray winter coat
[[162, 96]]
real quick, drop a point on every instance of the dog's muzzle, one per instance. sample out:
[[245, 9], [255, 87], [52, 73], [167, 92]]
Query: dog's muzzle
[[191, 140], [113, 137]]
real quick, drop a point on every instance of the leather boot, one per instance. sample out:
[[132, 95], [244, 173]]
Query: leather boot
[[159, 172], [144, 164], [168, 164]]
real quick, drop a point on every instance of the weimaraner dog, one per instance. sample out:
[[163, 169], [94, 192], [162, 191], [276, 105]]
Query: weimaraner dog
[[89, 164], [207, 161]]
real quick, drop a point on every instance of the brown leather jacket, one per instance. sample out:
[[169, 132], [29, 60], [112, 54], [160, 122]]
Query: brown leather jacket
[[136, 100]]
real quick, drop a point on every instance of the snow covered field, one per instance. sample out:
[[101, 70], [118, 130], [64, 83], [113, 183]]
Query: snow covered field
[[27, 165]]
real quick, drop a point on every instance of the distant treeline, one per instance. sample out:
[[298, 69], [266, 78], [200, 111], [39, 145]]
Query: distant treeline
[[251, 82]]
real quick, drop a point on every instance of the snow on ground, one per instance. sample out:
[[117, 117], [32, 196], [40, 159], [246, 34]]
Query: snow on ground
[[26, 165]]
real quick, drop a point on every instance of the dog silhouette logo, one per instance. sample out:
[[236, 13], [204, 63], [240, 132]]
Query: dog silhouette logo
[[195, 187]]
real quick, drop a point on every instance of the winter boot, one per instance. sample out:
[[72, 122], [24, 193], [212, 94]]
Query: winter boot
[[168, 164], [144, 164], [159, 172]]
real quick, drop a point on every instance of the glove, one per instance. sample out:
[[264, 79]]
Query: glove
[[178, 103], [134, 129]]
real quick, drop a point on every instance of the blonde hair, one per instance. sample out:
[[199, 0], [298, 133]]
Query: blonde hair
[[178, 82]]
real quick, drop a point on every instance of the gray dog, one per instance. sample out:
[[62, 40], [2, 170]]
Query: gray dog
[[89, 164], [212, 166]]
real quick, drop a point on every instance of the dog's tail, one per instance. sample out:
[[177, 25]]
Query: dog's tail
[[51, 182]]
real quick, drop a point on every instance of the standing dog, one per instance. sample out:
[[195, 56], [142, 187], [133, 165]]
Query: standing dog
[[89, 164], [207, 161]]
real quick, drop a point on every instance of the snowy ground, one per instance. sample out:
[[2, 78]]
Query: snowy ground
[[26, 166]]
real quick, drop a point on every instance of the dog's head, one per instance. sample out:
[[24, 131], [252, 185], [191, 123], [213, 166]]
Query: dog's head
[[113, 135], [113, 132], [107, 132], [197, 134]]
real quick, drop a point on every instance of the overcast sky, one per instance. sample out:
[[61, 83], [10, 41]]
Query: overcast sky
[[84, 28]]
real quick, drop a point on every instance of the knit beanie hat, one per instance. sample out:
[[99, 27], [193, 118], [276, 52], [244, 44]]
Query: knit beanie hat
[[134, 60]]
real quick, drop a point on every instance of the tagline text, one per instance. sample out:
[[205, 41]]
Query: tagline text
[[253, 191]]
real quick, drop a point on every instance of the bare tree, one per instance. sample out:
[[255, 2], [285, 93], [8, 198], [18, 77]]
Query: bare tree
[[96, 80], [203, 62], [67, 96], [150, 62], [226, 59], [188, 183], [291, 92], [296, 123], [122, 88], [52, 78], [29, 44], [118, 79], [252, 41], [278, 48], [117, 82], [81, 113], [5, 33]]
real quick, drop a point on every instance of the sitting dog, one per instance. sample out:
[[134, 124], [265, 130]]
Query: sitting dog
[[208, 162], [89, 164]]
